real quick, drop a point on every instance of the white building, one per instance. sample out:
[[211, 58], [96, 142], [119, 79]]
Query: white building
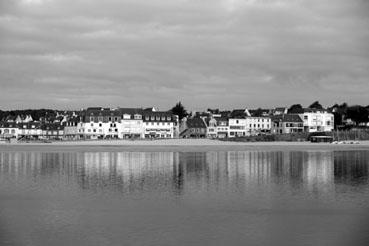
[[257, 125], [237, 127], [317, 120], [131, 124], [8, 130], [249, 126], [159, 124]]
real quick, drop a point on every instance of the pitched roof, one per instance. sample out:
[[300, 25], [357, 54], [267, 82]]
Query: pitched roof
[[196, 123], [287, 118]]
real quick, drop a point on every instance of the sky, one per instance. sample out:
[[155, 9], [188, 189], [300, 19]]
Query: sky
[[71, 54]]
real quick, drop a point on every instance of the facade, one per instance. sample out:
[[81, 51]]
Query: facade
[[222, 127], [71, 130], [258, 125], [211, 130], [287, 123], [131, 124], [158, 124], [52, 131], [249, 126], [317, 120], [194, 128], [237, 127], [8, 130], [31, 130]]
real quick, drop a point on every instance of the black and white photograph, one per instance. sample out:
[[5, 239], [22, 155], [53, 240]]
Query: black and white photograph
[[184, 122]]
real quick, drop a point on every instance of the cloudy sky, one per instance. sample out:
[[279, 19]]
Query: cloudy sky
[[69, 54]]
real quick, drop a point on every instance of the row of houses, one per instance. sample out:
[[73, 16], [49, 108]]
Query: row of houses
[[240, 123], [99, 123], [138, 123]]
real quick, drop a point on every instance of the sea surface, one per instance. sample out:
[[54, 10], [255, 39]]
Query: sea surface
[[184, 198]]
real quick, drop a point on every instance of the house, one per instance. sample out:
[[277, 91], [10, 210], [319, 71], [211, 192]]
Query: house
[[71, 131], [211, 130], [222, 127], [100, 123], [131, 123], [52, 131], [287, 123], [194, 128], [317, 120], [8, 130], [30, 130], [258, 125], [159, 124], [237, 127]]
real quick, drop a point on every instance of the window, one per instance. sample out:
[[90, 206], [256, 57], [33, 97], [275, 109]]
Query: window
[[91, 118], [236, 121], [163, 118], [100, 118], [94, 130], [100, 125], [305, 117], [152, 118], [168, 118], [116, 119], [89, 130], [147, 117], [92, 124]]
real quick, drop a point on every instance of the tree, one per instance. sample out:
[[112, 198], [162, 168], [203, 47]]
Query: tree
[[316, 105], [179, 110], [295, 109], [258, 112], [358, 114]]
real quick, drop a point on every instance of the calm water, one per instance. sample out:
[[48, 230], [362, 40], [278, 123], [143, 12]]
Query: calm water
[[175, 198]]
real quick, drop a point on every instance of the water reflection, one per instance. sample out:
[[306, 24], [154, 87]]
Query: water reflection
[[177, 172]]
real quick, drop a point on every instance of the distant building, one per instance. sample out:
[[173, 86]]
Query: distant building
[[280, 111], [194, 128], [222, 127], [8, 130], [317, 120], [211, 130], [287, 123], [158, 124]]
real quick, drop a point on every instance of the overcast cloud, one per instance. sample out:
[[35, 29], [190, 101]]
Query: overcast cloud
[[219, 53]]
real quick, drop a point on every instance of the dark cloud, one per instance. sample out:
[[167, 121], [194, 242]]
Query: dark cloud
[[225, 53]]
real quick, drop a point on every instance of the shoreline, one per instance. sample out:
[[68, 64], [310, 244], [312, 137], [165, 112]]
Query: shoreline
[[177, 145]]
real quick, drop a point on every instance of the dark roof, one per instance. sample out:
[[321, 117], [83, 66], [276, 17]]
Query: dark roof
[[196, 123], [238, 113], [287, 118], [52, 127], [160, 114], [131, 111]]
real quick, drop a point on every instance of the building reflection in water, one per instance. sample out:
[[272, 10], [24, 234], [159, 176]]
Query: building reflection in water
[[182, 172]]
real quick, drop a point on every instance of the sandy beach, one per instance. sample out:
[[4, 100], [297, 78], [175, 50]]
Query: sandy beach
[[176, 145]]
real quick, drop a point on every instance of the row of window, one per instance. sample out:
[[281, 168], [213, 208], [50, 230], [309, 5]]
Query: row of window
[[136, 117]]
